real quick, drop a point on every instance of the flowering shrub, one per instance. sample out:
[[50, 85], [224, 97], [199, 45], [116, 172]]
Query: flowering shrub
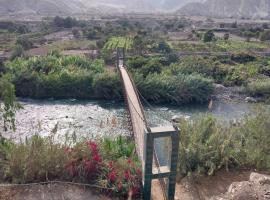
[[119, 173]]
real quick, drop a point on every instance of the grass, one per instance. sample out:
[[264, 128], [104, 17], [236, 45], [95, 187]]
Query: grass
[[108, 163], [207, 146], [219, 46], [259, 88]]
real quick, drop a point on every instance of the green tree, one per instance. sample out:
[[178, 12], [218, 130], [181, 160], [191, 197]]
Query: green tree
[[25, 42], [8, 104], [265, 35], [209, 36], [18, 51]]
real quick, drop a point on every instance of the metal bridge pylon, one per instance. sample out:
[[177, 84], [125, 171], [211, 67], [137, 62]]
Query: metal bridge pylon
[[145, 137]]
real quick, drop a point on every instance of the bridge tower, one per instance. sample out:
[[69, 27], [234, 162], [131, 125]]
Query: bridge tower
[[145, 138]]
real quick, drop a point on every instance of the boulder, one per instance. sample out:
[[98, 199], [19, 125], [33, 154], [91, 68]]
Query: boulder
[[257, 188], [178, 118], [250, 100]]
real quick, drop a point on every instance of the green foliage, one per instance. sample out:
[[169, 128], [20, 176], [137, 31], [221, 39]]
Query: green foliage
[[205, 66], [25, 42], [8, 104], [206, 146], [265, 36], [108, 163], [63, 77], [67, 22], [242, 57], [209, 36], [18, 51], [119, 42], [259, 88], [175, 89]]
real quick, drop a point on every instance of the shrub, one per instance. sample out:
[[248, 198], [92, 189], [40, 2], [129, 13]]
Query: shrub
[[177, 89], [265, 35], [209, 36], [25, 42], [207, 146], [242, 57], [259, 88], [207, 67], [108, 163]]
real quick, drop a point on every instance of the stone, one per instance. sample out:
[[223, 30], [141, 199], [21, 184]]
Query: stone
[[257, 188], [178, 118], [259, 179], [250, 100], [219, 87]]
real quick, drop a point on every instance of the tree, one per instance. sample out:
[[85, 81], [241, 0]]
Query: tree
[[25, 42], [209, 36], [234, 25], [17, 52], [265, 36], [226, 36], [265, 26], [8, 104], [76, 33]]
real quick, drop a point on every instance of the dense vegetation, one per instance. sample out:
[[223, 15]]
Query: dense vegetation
[[78, 77], [63, 77], [110, 164], [207, 146]]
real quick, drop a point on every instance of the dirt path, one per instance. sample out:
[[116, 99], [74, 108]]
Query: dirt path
[[48, 192], [205, 187]]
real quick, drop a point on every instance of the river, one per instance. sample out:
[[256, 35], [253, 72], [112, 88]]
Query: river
[[91, 119]]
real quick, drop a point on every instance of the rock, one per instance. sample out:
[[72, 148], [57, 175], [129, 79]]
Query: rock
[[257, 188], [250, 100], [178, 118], [259, 179], [219, 87]]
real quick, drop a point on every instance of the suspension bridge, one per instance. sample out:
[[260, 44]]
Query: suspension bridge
[[158, 180]]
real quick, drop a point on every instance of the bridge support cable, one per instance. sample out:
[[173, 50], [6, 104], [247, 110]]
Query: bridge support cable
[[145, 137]]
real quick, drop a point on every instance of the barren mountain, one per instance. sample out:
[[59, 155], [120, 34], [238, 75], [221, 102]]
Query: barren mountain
[[229, 8], [54, 7]]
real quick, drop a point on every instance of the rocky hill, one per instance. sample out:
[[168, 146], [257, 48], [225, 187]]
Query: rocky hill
[[42, 7], [58, 7], [229, 8]]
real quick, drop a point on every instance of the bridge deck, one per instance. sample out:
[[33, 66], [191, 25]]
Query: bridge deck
[[135, 109]]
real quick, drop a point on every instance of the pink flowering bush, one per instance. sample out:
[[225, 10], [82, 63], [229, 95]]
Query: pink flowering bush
[[114, 167]]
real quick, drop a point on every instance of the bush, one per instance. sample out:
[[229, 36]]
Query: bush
[[25, 42], [59, 77], [207, 67], [108, 163], [242, 57], [259, 88], [209, 36], [207, 146], [180, 89], [265, 35]]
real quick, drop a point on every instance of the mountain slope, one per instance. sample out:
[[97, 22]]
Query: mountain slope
[[229, 8], [41, 6]]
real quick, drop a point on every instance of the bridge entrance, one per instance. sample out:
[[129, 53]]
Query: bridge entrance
[[145, 137]]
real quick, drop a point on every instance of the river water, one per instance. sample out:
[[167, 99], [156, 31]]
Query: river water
[[91, 119]]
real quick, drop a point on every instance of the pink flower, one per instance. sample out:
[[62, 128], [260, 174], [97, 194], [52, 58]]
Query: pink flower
[[110, 165], [127, 175], [112, 176], [97, 158], [92, 146]]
